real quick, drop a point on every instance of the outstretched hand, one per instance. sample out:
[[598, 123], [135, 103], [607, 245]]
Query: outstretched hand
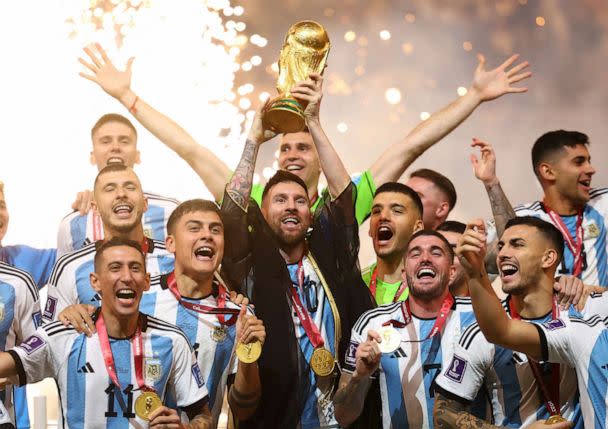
[[115, 82], [484, 168], [310, 91], [497, 82], [258, 132]]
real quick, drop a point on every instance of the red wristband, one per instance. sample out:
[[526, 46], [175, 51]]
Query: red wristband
[[132, 109]]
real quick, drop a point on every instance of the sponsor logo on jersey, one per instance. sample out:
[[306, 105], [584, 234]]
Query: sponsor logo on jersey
[[456, 369], [552, 325], [32, 344], [152, 370], [196, 372], [350, 354]]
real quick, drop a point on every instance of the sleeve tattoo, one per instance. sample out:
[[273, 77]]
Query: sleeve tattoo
[[240, 185], [449, 413]]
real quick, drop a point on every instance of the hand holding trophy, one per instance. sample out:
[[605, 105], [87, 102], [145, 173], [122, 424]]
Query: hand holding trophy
[[304, 51]]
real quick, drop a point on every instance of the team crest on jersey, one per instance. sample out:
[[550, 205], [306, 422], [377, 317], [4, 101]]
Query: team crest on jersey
[[350, 353], [196, 373], [49, 308], [456, 369], [592, 230], [148, 232], [552, 325], [152, 370], [219, 333], [32, 344]]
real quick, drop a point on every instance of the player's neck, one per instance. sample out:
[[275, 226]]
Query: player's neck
[[389, 269], [535, 302], [293, 254], [562, 205], [119, 326], [193, 287], [460, 288], [136, 234], [427, 309]]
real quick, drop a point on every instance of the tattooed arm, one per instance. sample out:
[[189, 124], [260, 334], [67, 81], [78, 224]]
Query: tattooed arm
[[239, 187], [450, 413]]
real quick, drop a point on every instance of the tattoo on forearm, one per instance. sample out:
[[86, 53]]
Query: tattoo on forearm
[[350, 397], [201, 422], [452, 414], [239, 187], [501, 207], [243, 400]]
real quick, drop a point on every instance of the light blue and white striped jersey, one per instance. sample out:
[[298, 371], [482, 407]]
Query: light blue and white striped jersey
[[582, 344], [87, 394], [37, 262], [216, 358], [76, 231], [19, 314], [595, 217], [318, 409], [69, 283], [477, 365], [407, 375]]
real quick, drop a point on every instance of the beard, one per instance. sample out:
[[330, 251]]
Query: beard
[[427, 293]]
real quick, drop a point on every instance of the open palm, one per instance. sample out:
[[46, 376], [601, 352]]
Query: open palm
[[494, 83]]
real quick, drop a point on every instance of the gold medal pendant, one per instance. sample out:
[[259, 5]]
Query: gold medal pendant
[[556, 418], [391, 340], [322, 362], [249, 353], [219, 333], [146, 403]]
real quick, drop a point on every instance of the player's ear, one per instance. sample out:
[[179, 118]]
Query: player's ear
[[147, 287], [549, 258], [94, 280], [418, 226], [170, 243]]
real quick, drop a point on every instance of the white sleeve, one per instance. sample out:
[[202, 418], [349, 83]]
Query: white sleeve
[[64, 237], [355, 339], [186, 378], [556, 338], [27, 315], [35, 358], [464, 366], [597, 303], [61, 293]]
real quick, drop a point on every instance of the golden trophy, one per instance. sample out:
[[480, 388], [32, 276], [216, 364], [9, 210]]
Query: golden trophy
[[304, 52]]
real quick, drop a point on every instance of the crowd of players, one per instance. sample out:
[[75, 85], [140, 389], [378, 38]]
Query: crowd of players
[[157, 310]]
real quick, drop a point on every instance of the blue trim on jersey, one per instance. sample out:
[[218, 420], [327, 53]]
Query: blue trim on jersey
[[121, 351], [36, 262], [86, 293], [166, 263], [162, 348], [76, 384], [599, 244], [22, 415], [7, 311], [147, 305], [511, 389], [78, 231], [221, 359], [396, 402], [430, 354], [597, 385], [154, 218]]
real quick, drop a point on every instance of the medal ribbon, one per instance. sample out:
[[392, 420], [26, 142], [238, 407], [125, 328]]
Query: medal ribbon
[[108, 358], [220, 311], [374, 281], [576, 247], [551, 399], [307, 323]]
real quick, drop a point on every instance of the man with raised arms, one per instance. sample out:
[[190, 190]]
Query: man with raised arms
[[298, 152], [122, 374], [565, 338], [194, 298], [403, 342], [120, 204], [396, 215]]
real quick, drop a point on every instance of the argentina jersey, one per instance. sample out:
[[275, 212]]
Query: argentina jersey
[[595, 215], [76, 231], [87, 394], [37, 262], [407, 374], [582, 344], [213, 344], [475, 365], [69, 283], [318, 409], [19, 315]]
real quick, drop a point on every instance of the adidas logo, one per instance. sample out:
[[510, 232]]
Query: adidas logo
[[96, 297], [87, 369]]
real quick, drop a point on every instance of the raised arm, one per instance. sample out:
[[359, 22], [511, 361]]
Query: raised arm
[[212, 170], [486, 86], [311, 91], [496, 326]]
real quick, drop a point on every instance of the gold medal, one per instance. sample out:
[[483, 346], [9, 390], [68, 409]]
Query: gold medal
[[322, 362], [556, 418], [249, 353], [146, 403], [391, 340], [219, 333]]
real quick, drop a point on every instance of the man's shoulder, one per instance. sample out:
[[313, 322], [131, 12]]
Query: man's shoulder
[[73, 260], [160, 200], [528, 208], [375, 317], [158, 327], [159, 248], [19, 279]]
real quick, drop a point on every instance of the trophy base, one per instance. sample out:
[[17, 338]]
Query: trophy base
[[285, 115]]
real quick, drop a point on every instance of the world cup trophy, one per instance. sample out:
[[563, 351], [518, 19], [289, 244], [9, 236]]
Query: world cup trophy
[[304, 51]]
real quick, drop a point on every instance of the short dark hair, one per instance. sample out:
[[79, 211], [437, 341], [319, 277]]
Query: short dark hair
[[303, 130], [402, 189], [111, 168], [282, 176], [116, 242], [112, 117], [452, 226], [432, 233], [553, 142], [190, 206], [546, 229], [444, 184]]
